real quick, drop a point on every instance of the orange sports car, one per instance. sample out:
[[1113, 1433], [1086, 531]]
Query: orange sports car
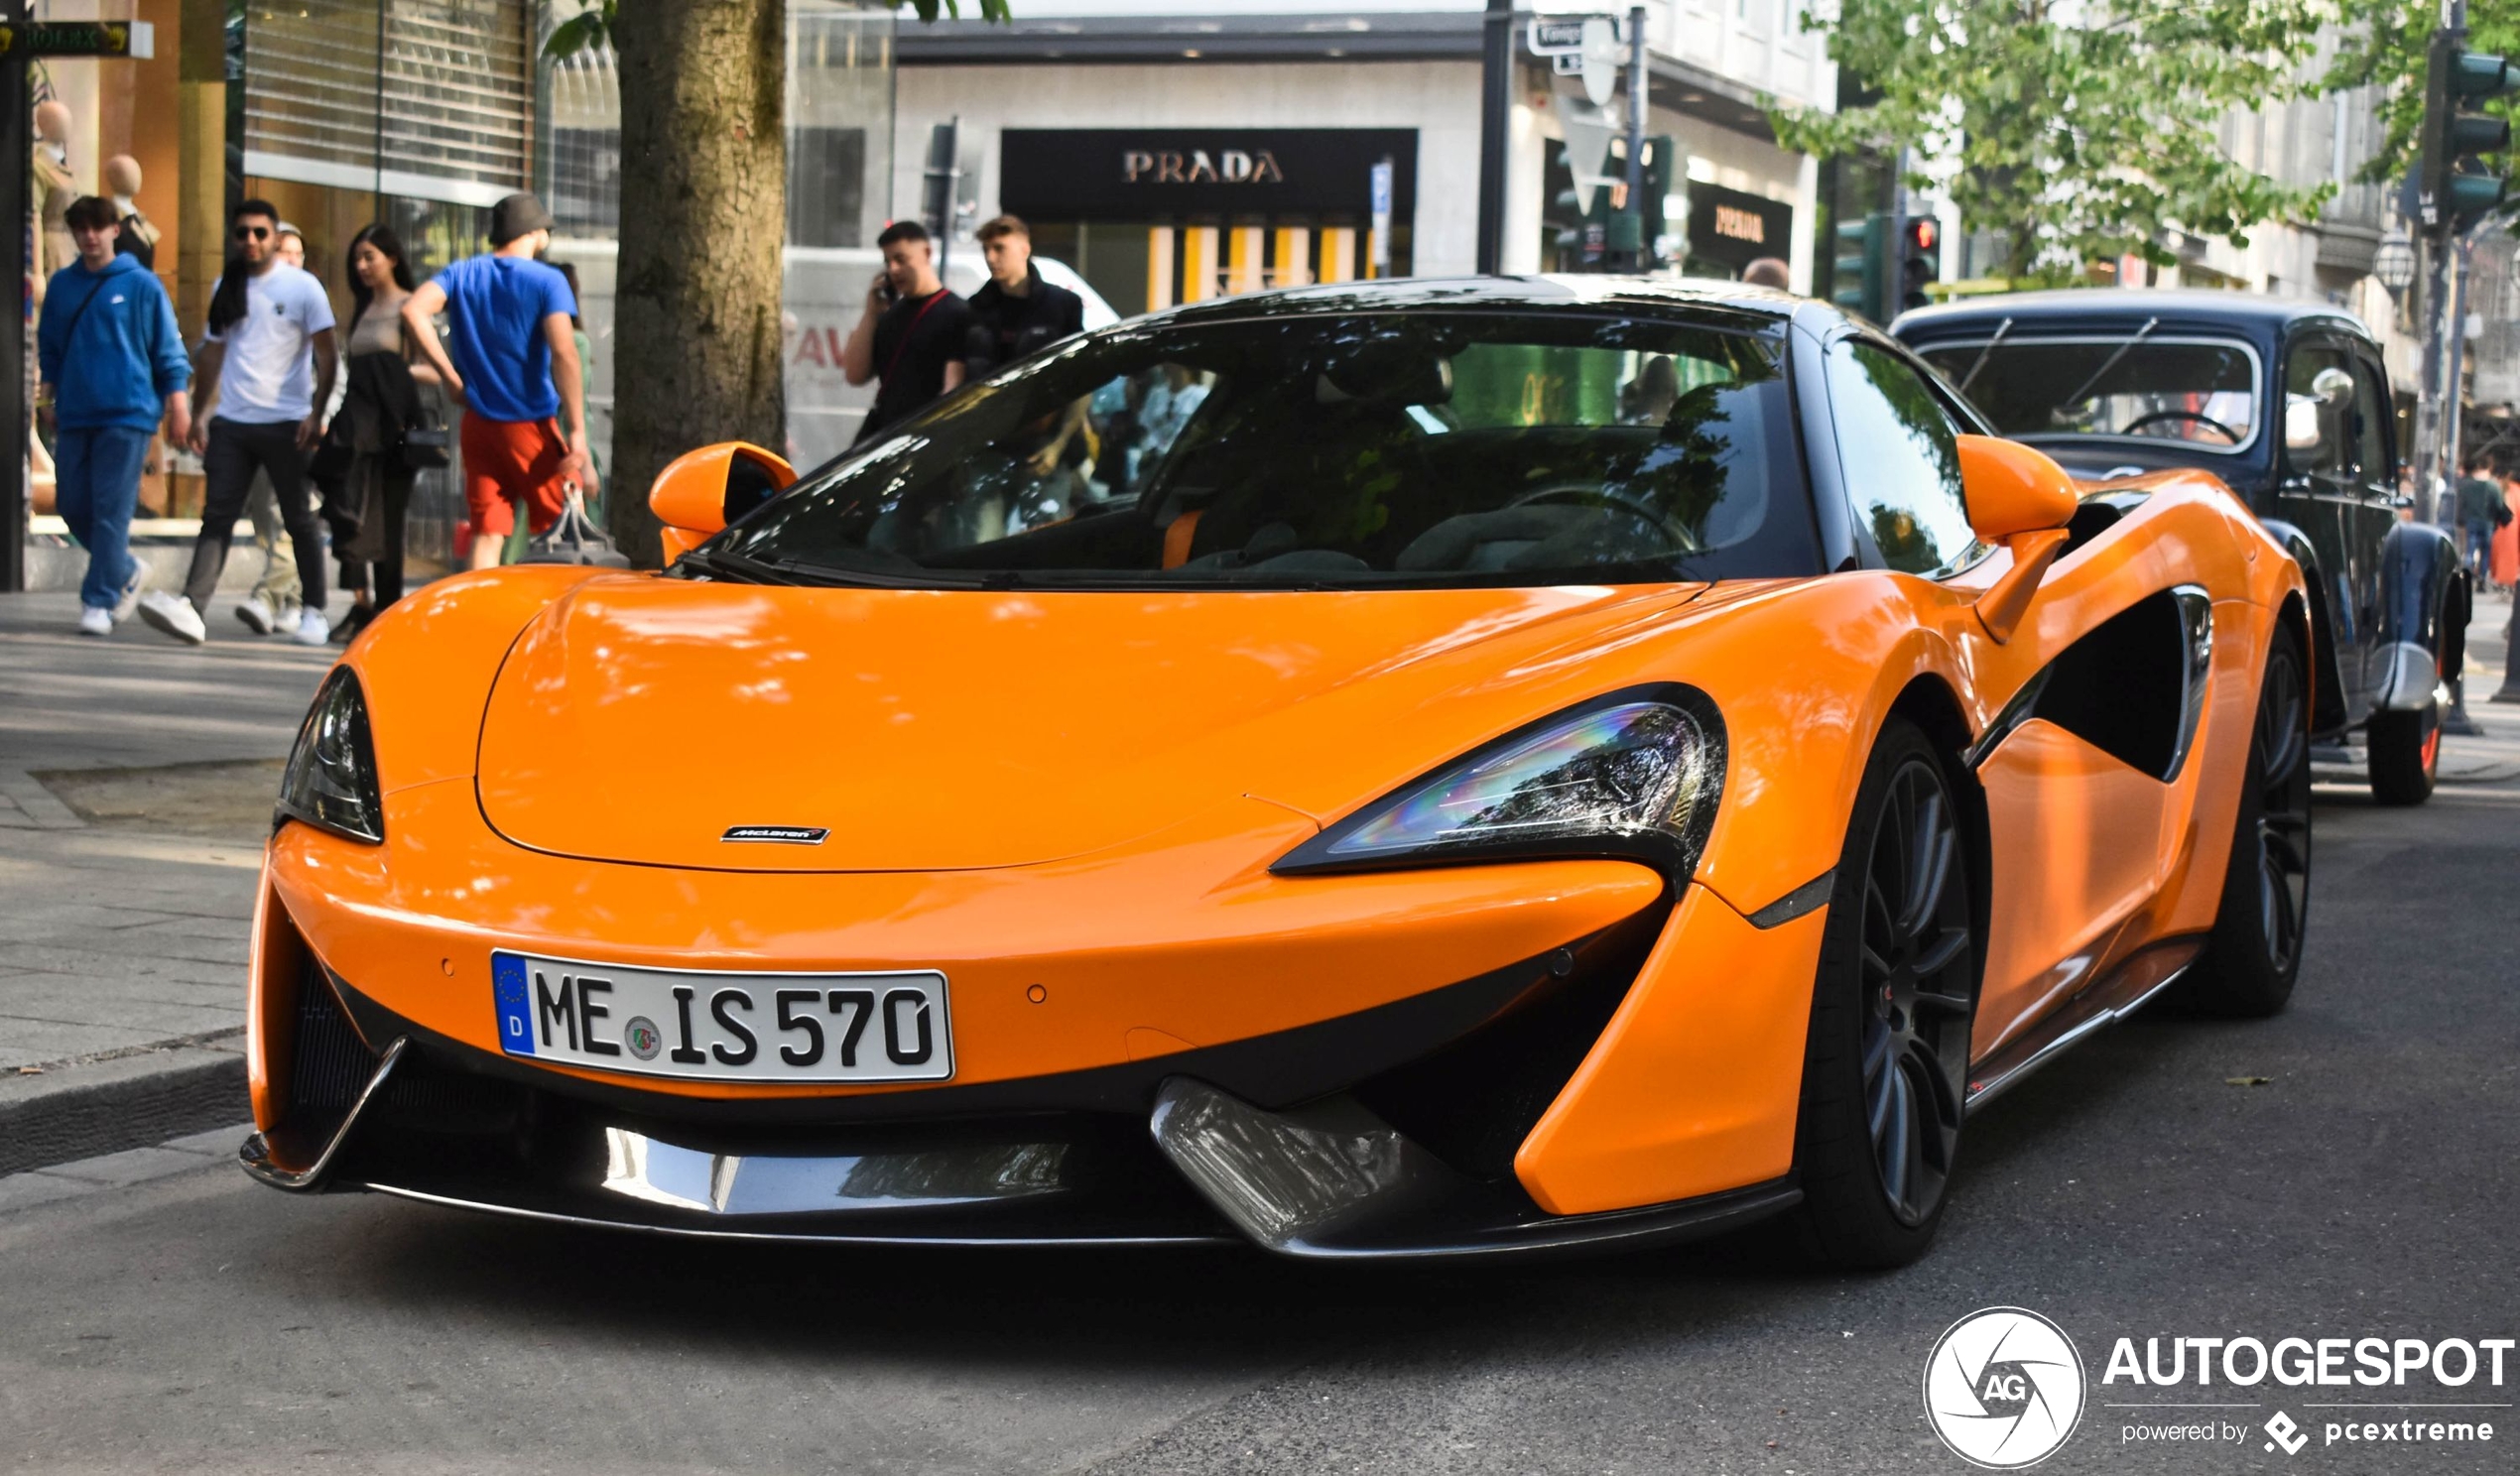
[[1409, 769]]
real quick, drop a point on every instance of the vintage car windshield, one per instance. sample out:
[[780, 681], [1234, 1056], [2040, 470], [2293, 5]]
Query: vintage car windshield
[[1401, 449], [2203, 394]]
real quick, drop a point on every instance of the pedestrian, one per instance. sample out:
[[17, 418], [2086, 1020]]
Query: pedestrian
[[1015, 312], [1769, 271], [386, 379], [272, 604], [109, 347], [269, 360], [585, 367], [513, 366], [912, 337], [2481, 512]]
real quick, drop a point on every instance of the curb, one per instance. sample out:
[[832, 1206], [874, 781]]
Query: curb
[[106, 1106]]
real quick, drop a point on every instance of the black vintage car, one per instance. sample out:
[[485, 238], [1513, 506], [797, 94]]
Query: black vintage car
[[2287, 402]]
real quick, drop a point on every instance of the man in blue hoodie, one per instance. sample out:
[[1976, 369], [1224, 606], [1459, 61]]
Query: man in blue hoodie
[[109, 348]]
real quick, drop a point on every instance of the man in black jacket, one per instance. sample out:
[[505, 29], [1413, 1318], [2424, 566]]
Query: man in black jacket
[[1016, 311]]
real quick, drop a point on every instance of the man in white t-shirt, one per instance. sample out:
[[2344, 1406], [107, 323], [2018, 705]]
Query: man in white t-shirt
[[267, 368]]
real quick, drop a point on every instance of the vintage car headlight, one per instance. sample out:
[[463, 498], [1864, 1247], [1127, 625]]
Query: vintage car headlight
[[330, 782], [1634, 773]]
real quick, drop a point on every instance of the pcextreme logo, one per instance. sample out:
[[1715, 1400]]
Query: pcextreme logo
[[2004, 1388]]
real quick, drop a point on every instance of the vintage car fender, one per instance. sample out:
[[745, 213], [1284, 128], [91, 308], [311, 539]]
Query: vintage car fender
[[2423, 616]]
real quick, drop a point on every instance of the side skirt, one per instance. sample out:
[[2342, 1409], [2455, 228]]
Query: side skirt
[[2123, 991]]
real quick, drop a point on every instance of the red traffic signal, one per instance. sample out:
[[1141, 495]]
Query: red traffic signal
[[1924, 233]]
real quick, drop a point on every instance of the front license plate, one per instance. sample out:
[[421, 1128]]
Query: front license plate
[[724, 1027]]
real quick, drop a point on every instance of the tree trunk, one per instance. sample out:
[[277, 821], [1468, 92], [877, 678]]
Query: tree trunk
[[704, 212]]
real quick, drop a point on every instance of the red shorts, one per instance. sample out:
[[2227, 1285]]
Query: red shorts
[[506, 462]]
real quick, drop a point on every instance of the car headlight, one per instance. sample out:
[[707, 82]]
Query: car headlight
[[1634, 773], [330, 782]]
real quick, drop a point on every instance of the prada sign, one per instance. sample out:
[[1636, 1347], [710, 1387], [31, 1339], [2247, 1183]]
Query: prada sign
[[1126, 174]]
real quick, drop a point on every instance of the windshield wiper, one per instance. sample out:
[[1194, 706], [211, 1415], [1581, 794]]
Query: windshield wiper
[[1980, 362], [735, 568], [2123, 350]]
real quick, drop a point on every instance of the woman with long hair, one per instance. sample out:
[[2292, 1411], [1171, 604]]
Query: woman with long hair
[[386, 379]]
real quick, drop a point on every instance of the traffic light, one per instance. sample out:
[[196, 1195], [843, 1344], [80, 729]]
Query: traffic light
[[2459, 189], [1660, 152], [1862, 281], [1920, 261]]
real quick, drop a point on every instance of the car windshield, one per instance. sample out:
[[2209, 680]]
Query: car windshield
[[2203, 394], [1308, 450]]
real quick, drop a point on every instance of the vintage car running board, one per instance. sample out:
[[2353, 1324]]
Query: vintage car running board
[[2126, 989]]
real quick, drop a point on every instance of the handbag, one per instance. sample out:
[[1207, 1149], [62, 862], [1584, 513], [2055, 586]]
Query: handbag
[[428, 445], [573, 537]]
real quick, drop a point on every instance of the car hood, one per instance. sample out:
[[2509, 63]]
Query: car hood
[[640, 719]]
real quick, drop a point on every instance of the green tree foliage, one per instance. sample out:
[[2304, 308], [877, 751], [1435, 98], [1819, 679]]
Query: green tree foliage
[[2080, 131], [2386, 45]]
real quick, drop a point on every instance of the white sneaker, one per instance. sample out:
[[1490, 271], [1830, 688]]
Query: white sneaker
[[96, 620], [131, 588], [312, 629], [174, 615], [257, 615]]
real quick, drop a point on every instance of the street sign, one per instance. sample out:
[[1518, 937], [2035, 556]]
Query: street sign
[[137, 40], [1588, 140], [1558, 35]]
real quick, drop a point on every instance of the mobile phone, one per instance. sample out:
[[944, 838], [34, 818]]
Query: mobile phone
[[885, 290]]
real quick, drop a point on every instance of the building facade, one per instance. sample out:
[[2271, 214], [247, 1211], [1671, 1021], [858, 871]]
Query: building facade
[[1172, 153]]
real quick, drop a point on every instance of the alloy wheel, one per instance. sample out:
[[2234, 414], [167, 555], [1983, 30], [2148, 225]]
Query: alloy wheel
[[1919, 976]]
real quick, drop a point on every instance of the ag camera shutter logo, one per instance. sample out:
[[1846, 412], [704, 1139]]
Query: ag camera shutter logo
[[2004, 1388]]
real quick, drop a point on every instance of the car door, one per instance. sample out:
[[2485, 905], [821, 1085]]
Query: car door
[[2320, 489], [2075, 830]]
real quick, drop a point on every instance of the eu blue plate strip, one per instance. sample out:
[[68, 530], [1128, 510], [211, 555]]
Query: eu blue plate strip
[[515, 999]]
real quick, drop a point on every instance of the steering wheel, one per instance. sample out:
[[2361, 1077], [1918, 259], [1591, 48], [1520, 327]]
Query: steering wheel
[[1681, 535], [2210, 424]]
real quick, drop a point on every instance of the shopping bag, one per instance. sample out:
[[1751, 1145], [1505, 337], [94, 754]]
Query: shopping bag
[[573, 537]]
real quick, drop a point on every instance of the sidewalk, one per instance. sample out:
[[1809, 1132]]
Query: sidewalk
[[136, 779]]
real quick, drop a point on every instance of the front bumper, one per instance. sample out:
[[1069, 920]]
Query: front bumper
[[1154, 1155], [1583, 1053]]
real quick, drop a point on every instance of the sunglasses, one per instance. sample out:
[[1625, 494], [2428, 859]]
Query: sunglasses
[[252, 233]]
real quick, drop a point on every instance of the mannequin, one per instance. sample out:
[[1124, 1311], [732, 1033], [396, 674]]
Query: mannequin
[[139, 239], [50, 195], [53, 187]]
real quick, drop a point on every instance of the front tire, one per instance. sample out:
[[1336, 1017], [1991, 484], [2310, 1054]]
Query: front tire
[[1886, 1067], [2255, 951]]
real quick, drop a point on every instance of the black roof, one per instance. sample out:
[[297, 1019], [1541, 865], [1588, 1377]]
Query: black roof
[[1574, 290], [2190, 310]]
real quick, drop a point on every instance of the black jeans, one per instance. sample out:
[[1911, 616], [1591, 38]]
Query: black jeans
[[383, 579], [236, 448]]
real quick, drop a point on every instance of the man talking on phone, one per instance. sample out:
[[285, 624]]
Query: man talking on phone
[[911, 337]]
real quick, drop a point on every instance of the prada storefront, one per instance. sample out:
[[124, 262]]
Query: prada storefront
[[1154, 217]]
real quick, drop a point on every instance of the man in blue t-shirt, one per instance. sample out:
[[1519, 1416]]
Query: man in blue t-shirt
[[513, 366]]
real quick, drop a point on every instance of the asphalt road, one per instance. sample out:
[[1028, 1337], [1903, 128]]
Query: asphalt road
[[198, 1322]]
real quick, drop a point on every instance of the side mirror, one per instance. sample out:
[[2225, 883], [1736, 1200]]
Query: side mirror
[[699, 492], [2018, 498]]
